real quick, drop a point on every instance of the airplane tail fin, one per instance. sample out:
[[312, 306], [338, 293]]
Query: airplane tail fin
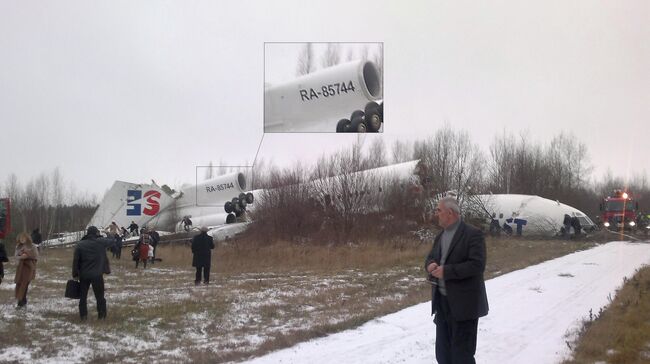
[[126, 202]]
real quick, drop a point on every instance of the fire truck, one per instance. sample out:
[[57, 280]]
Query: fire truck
[[618, 211], [5, 217]]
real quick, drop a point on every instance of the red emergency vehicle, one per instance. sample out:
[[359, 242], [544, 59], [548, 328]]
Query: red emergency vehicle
[[618, 211]]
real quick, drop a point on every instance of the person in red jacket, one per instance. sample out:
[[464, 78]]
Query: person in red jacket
[[140, 251]]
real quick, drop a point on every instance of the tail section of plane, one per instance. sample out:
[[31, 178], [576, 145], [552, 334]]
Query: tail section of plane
[[126, 202], [211, 203]]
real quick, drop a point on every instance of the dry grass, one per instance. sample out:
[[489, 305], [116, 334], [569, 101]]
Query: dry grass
[[621, 333], [260, 299], [284, 256]]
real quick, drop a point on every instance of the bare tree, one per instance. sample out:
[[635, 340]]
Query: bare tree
[[350, 54], [209, 172], [376, 156], [401, 152], [332, 55], [452, 160], [56, 201], [306, 60], [501, 169]]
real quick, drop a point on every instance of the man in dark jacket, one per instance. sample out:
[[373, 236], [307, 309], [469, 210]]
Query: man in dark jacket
[[133, 228], [455, 266], [3, 259], [89, 265], [37, 239], [155, 238], [202, 245]]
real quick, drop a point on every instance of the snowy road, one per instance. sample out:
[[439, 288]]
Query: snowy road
[[531, 312]]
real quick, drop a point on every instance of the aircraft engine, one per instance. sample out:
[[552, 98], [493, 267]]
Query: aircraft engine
[[325, 96], [217, 190]]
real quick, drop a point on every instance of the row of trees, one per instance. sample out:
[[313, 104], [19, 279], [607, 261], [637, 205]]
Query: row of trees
[[335, 199], [334, 54], [48, 203]]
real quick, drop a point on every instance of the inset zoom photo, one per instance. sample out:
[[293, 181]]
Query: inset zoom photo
[[323, 87]]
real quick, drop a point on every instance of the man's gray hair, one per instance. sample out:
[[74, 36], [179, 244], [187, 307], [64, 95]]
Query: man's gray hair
[[450, 203]]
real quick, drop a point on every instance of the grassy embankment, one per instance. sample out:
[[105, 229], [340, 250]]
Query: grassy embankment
[[621, 333]]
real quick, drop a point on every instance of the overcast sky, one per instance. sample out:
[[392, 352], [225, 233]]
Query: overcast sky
[[127, 90]]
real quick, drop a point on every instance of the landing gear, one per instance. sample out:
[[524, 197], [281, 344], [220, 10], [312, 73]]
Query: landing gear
[[368, 120]]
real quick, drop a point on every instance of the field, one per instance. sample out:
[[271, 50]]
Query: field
[[260, 298]]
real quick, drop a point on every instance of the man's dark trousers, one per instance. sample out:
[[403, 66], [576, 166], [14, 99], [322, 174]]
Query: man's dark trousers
[[206, 274], [455, 340], [98, 289]]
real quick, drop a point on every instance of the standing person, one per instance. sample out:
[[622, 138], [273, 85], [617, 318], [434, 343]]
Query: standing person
[[567, 226], [37, 238], [3, 259], [145, 247], [118, 247], [113, 230], [89, 266], [187, 223], [133, 228], [27, 254], [202, 245], [140, 251], [455, 266], [125, 234], [154, 239]]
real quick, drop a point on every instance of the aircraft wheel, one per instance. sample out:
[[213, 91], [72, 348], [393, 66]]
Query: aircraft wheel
[[372, 117], [358, 126], [355, 114], [228, 207], [342, 125], [236, 207], [249, 197], [230, 219], [242, 200]]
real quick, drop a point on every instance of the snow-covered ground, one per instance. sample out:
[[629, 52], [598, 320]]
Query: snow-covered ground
[[533, 312]]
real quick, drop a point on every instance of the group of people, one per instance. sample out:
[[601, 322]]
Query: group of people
[[145, 248], [90, 262]]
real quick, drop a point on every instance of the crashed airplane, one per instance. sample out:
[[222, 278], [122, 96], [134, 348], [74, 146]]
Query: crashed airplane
[[222, 203]]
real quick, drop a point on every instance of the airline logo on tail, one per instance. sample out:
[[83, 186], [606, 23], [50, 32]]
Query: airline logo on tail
[[134, 207]]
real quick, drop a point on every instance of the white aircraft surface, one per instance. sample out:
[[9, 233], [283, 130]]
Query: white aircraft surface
[[533, 313], [527, 214], [342, 98]]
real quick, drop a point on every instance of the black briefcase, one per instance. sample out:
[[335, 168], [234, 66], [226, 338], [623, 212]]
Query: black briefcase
[[73, 289]]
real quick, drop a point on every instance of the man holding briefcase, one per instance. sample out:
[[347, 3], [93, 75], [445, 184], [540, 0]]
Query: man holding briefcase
[[89, 265]]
